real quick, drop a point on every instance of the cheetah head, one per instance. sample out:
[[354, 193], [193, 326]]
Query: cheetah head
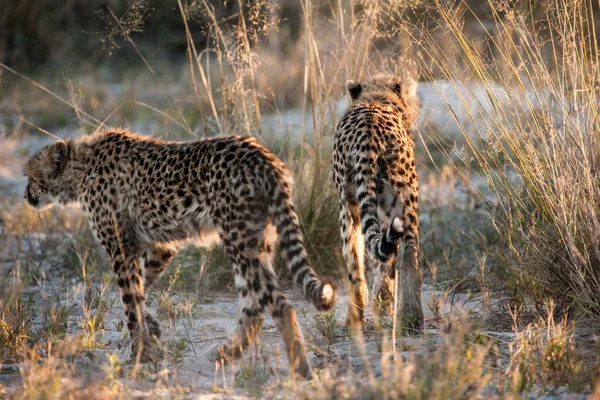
[[45, 172], [388, 88]]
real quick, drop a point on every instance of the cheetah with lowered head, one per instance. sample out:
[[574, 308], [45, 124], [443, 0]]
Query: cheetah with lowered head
[[374, 171], [145, 198]]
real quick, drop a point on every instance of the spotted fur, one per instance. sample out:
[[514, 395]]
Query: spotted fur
[[375, 173], [145, 198]]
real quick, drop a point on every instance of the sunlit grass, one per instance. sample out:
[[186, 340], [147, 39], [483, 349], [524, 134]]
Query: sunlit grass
[[523, 227]]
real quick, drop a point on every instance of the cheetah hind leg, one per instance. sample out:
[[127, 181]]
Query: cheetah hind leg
[[287, 324], [153, 326], [246, 332], [410, 280], [252, 318], [249, 325], [383, 290], [383, 283], [353, 250]]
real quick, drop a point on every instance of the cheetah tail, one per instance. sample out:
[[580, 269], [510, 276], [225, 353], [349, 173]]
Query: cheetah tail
[[320, 292], [382, 245]]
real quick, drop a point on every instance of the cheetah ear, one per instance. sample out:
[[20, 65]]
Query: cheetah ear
[[59, 154], [409, 88], [354, 89]]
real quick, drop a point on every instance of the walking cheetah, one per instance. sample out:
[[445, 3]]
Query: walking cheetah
[[145, 198], [374, 171]]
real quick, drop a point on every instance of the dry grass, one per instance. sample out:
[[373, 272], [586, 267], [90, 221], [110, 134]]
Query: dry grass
[[529, 131], [457, 368], [15, 319], [545, 352]]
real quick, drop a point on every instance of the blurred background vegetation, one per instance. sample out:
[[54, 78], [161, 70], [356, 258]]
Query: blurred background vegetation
[[85, 48], [36, 34]]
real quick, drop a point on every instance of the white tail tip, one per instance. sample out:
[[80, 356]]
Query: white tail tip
[[327, 293], [397, 225]]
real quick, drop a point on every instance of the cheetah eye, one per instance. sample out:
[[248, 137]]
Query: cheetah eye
[[397, 88]]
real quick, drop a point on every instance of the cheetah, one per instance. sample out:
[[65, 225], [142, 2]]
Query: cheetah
[[375, 174], [146, 198]]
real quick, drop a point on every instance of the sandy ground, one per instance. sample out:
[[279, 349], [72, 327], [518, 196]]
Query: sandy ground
[[213, 317]]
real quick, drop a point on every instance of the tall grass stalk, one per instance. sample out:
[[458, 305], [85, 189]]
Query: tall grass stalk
[[529, 122]]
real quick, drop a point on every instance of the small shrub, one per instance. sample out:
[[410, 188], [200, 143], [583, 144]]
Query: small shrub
[[545, 352]]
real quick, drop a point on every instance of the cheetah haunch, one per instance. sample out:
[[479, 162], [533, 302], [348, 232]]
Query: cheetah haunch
[[145, 198], [374, 171]]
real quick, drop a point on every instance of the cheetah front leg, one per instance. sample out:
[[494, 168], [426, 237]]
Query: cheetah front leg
[[156, 260], [125, 262]]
